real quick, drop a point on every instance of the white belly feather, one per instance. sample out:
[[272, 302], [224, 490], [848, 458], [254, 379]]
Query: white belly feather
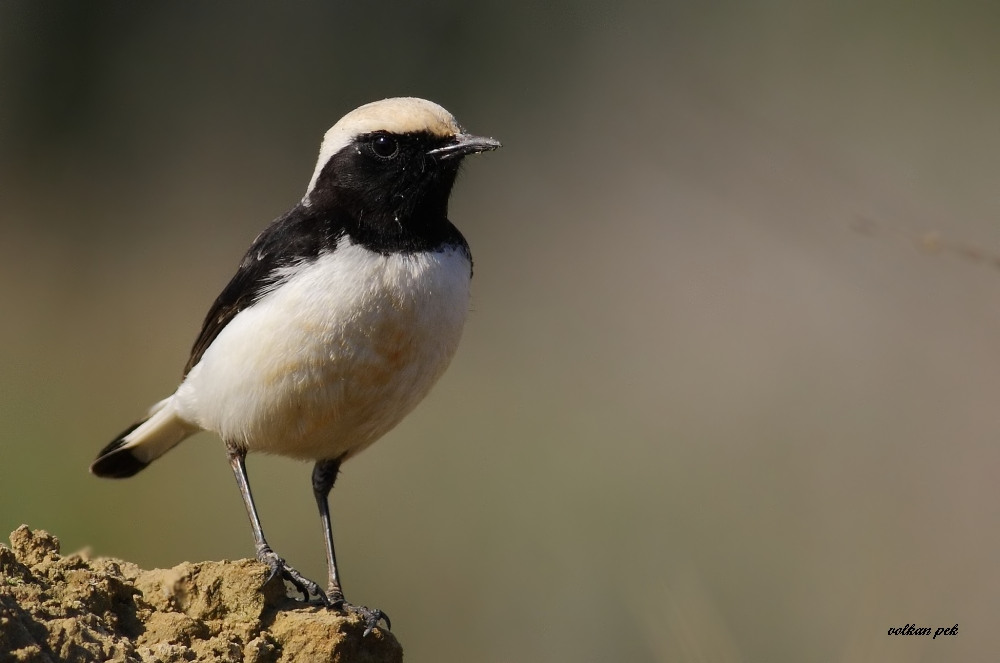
[[335, 357]]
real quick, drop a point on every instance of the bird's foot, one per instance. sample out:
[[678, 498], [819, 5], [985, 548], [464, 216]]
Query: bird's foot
[[370, 616], [279, 568]]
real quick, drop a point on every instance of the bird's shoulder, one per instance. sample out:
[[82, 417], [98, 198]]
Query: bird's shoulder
[[299, 235], [302, 235]]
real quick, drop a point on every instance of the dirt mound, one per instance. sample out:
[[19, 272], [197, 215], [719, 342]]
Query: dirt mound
[[77, 608]]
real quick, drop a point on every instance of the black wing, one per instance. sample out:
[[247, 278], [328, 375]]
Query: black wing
[[292, 238]]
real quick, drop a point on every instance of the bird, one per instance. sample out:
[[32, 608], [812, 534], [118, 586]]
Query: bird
[[341, 316]]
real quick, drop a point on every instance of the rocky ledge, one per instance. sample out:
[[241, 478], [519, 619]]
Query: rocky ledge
[[78, 608]]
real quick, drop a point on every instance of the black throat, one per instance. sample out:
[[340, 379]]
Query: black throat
[[388, 205]]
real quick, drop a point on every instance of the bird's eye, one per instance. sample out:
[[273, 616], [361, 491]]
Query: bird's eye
[[385, 147]]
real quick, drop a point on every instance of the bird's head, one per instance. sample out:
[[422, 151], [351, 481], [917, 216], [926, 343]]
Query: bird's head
[[392, 161]]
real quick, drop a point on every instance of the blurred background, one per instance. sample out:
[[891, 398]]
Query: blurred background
[[728, 390]]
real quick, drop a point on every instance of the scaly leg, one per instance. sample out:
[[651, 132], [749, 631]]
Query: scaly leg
[[237, 460], [323, 477]]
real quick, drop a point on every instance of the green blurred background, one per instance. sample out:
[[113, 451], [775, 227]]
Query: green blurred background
[[716, 400]]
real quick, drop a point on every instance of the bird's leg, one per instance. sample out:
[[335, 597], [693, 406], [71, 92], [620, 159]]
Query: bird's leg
[[323, 477], [237, 460]]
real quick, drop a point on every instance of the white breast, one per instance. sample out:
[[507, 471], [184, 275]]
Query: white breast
[[335, 356]]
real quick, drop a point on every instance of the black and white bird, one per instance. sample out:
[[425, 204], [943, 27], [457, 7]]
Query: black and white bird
[[342, 315]]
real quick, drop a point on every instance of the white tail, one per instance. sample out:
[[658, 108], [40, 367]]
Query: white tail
[[141, 444]]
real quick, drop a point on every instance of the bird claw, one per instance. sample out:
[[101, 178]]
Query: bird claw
[[279, 569], [370, 616]]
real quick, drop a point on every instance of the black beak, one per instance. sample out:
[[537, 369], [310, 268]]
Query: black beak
[[463, 145]]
